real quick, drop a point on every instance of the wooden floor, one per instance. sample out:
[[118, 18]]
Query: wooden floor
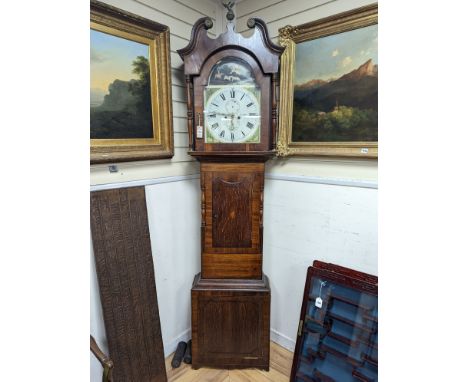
[[280, 368]]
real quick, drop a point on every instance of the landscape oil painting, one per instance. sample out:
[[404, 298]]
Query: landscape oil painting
[[121, 106], [335, 88], [130, 87]]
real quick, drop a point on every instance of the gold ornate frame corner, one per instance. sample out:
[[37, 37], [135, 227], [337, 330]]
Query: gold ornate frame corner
[[289, 36], [115, 21]]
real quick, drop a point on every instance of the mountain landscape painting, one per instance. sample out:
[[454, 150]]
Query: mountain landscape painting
[[120, 88], [335, 88]]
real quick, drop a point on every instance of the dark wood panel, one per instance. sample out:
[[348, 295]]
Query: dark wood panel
[[232, 214], [251, 176], [230, 323], [124, 266], [232, 206], [231, 316]]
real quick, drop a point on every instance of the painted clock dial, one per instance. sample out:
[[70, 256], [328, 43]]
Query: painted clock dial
[[232, 103], [232, 115]]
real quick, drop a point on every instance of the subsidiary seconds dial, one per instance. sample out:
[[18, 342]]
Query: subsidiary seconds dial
[[232, 115]]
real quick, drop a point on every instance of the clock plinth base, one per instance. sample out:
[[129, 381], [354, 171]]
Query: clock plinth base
[[231, 323]]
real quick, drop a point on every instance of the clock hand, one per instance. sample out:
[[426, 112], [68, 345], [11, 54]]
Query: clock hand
[[233, 115], [249, 115], [215, 112]]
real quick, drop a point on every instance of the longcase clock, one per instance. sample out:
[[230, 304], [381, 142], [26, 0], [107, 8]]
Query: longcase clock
[[232, 114]]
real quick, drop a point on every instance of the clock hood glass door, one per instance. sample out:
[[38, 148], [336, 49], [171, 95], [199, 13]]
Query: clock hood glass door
[[232, 103]]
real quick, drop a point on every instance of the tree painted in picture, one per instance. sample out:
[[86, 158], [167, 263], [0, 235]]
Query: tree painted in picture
[[126, 109], [120, 88]]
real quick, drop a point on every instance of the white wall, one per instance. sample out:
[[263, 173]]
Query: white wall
[[174, 221], [315, 208], [304, 222]]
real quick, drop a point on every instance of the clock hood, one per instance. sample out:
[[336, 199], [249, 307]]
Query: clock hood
[[257, 45]]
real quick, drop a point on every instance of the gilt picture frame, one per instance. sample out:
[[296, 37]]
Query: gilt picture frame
[[130, 88], [328, 97]]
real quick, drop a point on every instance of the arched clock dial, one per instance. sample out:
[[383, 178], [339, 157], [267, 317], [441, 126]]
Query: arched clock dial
[[232, 114]]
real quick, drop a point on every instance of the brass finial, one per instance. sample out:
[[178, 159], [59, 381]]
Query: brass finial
[[230, 14]]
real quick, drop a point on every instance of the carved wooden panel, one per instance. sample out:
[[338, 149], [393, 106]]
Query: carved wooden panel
[[232, 205], [124, 266]]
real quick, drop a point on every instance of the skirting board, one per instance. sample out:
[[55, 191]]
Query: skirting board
[[282, 340], [275, 336], [171, 346]]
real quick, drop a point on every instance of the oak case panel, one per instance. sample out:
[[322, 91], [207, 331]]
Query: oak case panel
[[232, 227], [231, 204], [230, 323]]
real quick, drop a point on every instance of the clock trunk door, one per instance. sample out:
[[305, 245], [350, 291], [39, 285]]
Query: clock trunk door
[[232, 220], [231, 202]]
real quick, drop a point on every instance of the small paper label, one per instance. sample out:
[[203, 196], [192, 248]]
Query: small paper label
[[199, 131], [318, 302], [364, 150]]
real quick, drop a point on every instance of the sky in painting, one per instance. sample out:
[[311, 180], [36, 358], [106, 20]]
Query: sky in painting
[[332, 56], [111, 59]]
